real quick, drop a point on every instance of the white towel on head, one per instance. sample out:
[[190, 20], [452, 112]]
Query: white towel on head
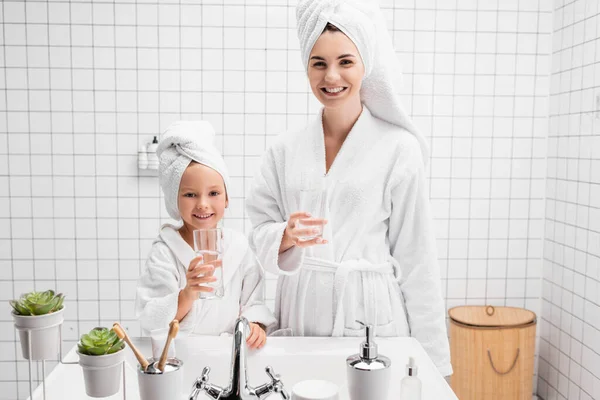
[[363, 22], [182, 143]]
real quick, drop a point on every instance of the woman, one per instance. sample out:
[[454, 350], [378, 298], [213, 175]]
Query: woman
[[376, 261]]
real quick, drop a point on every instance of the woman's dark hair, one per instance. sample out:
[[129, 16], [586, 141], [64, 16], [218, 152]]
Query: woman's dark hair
[[331, 28]]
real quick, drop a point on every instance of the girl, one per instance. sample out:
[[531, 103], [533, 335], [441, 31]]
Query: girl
[[194, 181], [376, 261]]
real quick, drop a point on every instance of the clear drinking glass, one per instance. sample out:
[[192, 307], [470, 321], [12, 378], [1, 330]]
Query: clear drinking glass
[[209, 244], [313, 199]]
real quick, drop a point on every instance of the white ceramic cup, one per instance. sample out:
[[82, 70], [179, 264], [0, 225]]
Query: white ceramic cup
[[167, 385]]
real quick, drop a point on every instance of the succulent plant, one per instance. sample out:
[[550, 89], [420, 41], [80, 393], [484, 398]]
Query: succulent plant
[[100, 341], [38, 303]]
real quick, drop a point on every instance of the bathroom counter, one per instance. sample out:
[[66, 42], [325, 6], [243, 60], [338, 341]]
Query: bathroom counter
[[295, 359]]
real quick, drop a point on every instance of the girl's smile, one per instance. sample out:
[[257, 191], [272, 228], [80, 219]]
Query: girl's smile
[[203, 216]]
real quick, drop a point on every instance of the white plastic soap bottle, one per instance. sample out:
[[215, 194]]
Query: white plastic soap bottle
[[410, 386]]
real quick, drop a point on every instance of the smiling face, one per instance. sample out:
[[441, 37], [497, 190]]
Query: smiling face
[[202, 198], [335, 69]]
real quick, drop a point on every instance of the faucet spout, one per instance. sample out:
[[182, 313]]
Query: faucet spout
[[238, 388], [238, 353]]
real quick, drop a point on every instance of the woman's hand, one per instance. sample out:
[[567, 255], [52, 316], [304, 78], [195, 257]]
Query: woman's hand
[[257, 337], [198, 276], [292, 234]]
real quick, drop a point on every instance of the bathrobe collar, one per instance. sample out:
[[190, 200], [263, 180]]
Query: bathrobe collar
[[356, 142]]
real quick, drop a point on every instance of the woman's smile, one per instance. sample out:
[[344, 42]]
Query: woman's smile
[[334, 91]]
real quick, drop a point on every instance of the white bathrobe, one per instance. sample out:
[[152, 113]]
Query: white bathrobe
[[164, 276], [380, 265]]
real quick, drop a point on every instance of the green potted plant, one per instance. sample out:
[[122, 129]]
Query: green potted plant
[[101, 355], [38, 317]]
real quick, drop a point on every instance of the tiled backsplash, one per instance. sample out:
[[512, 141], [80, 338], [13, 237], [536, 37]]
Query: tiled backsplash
[[85, 84], [569, 365]]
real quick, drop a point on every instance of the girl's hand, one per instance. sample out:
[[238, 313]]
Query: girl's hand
[[198, 276], [292, 234], [257, 337]]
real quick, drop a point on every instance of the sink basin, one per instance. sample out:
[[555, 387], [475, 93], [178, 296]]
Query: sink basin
[[295, 359]]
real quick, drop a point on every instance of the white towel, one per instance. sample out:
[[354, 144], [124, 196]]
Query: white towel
[[181, 143], [363, 22]]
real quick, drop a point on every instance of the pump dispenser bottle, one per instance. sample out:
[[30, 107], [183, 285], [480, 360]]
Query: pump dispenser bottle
[[368, 372]]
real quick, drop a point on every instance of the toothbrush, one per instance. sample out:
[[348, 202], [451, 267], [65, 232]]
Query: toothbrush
[[123, 335], [173, 330]]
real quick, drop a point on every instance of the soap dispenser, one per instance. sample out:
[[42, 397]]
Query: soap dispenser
[[368, 372]]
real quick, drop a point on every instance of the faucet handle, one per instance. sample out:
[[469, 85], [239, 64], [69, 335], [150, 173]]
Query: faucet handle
[[205, 373], [200, 384], [276, 382], [274, 376]]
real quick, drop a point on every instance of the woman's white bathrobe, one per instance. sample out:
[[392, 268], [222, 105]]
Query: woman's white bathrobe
[[164, 276], [380, 265]]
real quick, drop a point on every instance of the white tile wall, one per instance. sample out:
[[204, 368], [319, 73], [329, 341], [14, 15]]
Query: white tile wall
[[85, 83], [569, 364]]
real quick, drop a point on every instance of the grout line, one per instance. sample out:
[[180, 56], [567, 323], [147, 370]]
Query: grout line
[[10, 219]]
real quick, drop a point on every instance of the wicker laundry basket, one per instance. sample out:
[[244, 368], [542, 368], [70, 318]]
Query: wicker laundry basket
[[493, 350]]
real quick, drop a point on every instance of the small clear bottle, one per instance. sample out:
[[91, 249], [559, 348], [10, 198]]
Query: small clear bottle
[[152, 157], [410, 386], [143, 157]]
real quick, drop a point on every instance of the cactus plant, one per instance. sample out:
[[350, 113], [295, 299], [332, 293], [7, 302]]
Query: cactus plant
[[100, 341], [38, 303]]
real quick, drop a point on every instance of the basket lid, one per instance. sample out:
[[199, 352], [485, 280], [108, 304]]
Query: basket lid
[[492, 317]]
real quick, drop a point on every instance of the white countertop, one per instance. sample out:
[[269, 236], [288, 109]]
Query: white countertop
[[294, 358]]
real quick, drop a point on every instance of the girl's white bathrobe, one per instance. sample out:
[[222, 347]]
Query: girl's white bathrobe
[[380, 265], [164, 276]]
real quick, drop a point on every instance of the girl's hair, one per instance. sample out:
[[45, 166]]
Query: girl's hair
[[331, 28]]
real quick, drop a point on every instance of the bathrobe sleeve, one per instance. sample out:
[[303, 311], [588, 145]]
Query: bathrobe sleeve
[[264, 205], [413, 245], [158, 289], [252, 305]]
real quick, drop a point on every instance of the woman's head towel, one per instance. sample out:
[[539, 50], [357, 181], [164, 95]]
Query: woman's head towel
[[363, 22], [182, 143]]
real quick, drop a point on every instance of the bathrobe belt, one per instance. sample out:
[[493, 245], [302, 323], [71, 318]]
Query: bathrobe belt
[[341, 273]]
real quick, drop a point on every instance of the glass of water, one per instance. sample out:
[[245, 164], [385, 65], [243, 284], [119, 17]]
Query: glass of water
[[313, 199], [208, 243]]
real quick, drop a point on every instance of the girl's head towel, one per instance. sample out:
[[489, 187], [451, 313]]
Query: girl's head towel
[[182, 143]]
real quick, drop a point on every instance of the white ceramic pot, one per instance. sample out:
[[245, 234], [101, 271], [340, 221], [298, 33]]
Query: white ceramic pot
[[167, 385], [102, 374], [40, 333]]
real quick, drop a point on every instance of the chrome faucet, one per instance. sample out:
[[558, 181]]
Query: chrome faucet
[[238, 388]]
